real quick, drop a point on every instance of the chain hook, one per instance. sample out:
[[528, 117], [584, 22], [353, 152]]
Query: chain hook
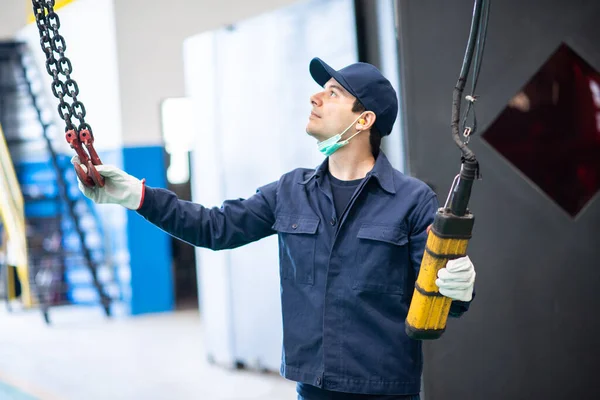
[[54, 46]]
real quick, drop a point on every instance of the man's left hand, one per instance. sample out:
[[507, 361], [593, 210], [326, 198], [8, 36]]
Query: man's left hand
[[457, 279]]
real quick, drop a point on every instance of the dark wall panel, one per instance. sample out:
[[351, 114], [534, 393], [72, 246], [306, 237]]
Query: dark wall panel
[[531, 331]]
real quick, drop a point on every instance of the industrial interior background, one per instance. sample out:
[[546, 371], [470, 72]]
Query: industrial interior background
[[146, 72]]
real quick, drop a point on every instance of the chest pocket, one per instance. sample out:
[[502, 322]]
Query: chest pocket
[[297, 242], [382, 259]]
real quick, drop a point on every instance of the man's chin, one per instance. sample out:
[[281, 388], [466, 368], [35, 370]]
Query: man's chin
[[317, 135], [311, 133]]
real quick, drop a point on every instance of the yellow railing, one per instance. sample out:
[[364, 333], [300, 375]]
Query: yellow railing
[[12, 214]]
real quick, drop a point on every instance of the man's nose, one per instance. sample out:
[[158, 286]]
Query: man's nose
[[316, 99]]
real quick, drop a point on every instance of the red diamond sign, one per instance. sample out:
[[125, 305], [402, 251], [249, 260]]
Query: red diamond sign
[[550, 130]]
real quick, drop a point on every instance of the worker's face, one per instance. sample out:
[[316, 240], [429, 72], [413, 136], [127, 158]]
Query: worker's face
[[331, 111]]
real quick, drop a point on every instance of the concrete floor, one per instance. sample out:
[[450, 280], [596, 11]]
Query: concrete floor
[[85, 356]]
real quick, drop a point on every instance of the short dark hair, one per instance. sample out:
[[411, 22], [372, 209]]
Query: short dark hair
[[375, 138]]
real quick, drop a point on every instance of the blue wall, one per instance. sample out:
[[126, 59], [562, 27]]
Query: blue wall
[[149, 247]]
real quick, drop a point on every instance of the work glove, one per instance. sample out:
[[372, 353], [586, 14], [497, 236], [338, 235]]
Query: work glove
[[119, 187], [457, 279]]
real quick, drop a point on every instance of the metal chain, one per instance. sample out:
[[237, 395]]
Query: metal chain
[[54, 46]]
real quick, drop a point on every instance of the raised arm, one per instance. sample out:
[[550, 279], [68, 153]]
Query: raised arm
[[235, 223]]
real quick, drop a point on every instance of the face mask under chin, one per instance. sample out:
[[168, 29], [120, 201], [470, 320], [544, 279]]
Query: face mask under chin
[[329, 146]]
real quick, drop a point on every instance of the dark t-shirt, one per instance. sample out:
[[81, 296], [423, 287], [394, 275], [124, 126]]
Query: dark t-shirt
[[342, 192]]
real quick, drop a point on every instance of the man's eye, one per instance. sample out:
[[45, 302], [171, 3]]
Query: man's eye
[[332, 93]]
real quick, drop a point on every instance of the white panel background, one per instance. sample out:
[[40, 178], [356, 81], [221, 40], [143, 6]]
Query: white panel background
[[251, 87]]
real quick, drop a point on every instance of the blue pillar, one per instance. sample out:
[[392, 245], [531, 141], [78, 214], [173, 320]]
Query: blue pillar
[[149, 247]]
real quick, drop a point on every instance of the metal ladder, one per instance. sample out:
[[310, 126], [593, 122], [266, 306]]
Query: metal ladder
[[20, 82]]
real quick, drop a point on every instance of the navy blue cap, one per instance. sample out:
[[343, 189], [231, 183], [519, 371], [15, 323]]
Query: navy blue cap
[[366, 83]]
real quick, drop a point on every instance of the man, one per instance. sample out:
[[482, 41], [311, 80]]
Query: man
[[351, 237]]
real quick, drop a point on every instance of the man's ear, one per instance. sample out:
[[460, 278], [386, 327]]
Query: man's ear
[[366, 121]]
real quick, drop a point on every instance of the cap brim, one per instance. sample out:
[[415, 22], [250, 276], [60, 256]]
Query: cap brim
[[322, 73]]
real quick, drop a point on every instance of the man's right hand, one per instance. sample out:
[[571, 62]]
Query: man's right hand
[[119, 187]]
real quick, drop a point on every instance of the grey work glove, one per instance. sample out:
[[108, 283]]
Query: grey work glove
[[119, 187]]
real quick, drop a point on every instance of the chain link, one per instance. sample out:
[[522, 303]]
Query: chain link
[[58, 66]]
